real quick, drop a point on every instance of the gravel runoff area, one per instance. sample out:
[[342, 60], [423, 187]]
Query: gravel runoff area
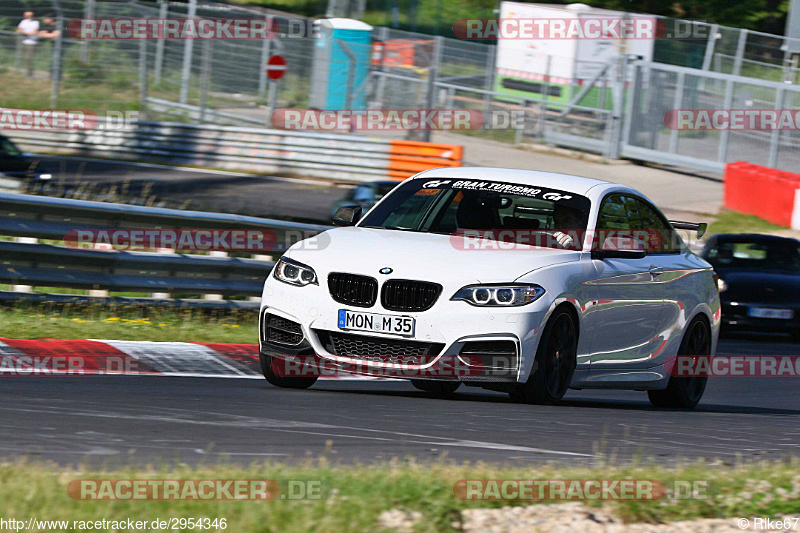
[[575, 516]]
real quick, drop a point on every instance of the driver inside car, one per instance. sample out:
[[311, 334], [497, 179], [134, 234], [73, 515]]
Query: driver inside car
[[567, 224]]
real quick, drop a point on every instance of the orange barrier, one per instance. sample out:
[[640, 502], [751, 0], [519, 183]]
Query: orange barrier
[[771, 194], [403, 52], [406, 158]]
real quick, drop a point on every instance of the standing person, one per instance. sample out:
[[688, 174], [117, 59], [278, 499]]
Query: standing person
[[49, 29], [29, 29]]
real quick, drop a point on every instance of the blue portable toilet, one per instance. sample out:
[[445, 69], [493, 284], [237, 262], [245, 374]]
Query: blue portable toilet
[[334, 66]]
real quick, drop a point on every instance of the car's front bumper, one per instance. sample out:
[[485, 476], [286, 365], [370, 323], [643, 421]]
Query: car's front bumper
[[455, 331]]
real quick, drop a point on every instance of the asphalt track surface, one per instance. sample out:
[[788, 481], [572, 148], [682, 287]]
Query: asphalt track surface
[[204, 190], [162, 420], [148, 419]]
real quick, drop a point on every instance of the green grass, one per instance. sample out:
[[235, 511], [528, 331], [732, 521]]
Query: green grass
[[96, 87], [507, 135], [735, 222], [352, 497], [127, 323], [20, 92]]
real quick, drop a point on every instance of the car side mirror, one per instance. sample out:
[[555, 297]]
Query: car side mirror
[[620, 247], [347, 215]]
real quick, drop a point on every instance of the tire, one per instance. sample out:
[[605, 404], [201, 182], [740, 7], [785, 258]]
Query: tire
[[268, 368], [555, 362], [685, 392], [437, 388]]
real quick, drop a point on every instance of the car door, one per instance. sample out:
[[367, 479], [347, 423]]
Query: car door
[[671, 268], [626, 304]]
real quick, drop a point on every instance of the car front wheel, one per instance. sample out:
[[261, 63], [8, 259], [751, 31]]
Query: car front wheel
[[271, 368], [685, 392], [555, 362]]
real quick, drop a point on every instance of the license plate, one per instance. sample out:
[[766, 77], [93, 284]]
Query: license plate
[[766, 312], [396, 325]]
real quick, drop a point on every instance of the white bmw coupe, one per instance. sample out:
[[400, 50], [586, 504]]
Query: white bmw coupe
[[523, 282]]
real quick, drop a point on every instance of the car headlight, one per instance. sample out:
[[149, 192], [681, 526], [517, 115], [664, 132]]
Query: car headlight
[[499, 295], [294, 273], [721, 285]]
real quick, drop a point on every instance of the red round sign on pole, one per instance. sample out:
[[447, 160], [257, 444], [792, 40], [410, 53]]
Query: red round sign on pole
[[276, 67]]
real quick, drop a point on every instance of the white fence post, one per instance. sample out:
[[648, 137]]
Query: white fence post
[[215, 253], [24, 240]]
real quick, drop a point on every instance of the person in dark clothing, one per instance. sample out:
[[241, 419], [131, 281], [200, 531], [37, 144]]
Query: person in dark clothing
[[49, 28]]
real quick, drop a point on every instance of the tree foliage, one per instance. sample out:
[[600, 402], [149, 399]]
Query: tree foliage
[[761, 15]]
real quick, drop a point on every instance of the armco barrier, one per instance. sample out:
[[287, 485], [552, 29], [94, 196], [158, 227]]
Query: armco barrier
[[771, 194], [30, 263], [324, 155]]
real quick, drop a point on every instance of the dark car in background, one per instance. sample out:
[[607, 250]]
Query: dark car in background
[[759, 281], [366, 195], [15, 164]]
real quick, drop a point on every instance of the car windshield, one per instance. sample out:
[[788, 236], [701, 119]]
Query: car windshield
[[383, 189], [498, 209], [369, 193], [755, 254], [8, 149]]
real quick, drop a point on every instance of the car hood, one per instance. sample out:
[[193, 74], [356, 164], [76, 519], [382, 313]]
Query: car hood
[[423, 256], [763, 286]]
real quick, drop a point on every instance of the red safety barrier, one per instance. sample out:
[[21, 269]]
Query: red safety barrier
[[771, 194], [75, 357]]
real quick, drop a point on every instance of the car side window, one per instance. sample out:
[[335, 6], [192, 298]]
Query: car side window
[[8, 149], [661, 236], [613, 216], [639, 219], [634, 216]]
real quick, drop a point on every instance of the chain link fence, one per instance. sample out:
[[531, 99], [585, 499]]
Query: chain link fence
[[224, 81], [659, 89]]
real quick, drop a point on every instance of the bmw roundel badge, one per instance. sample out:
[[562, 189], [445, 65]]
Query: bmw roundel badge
[[386, 270]]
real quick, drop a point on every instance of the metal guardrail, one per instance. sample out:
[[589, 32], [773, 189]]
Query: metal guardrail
[[30, 263], [331, 156]]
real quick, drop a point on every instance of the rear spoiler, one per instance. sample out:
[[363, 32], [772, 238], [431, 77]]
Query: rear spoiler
[[700, 227]]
